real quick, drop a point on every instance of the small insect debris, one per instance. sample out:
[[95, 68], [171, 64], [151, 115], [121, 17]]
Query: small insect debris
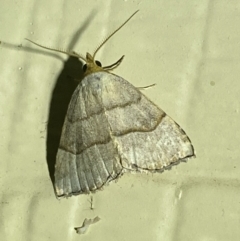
[[86, 224], [91, 203]]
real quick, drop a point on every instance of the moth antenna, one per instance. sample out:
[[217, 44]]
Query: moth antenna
[[70, 53], [111, 34], [146, 87]]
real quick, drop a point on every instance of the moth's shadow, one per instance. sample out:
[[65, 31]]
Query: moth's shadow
[[61, 96], [66, 83]]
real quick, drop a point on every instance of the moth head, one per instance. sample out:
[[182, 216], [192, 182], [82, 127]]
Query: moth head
[[91, 65]]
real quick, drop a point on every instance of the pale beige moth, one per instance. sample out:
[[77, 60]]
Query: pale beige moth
[[111, 128]]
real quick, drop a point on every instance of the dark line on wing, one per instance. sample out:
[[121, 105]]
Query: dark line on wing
[[89, 146], [109, 109], [130, 130]]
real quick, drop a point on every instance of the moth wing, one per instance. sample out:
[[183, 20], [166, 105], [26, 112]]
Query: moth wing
[[146, 138], [111, 127], [87, 157]]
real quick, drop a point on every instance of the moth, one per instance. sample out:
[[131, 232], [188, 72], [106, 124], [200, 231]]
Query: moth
[[111, 128]]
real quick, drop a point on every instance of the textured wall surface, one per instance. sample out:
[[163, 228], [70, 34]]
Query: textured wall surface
[[190, 49]]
